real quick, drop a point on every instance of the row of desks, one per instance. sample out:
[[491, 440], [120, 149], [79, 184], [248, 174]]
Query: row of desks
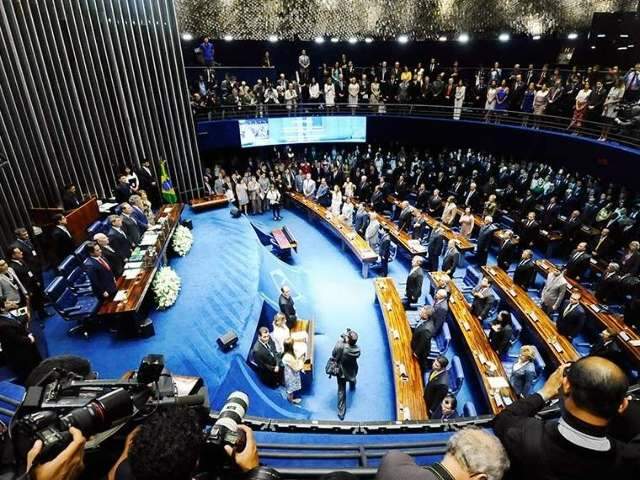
[[626, 337], [350, 238], [558, 348], [491, 373], [136, 288]]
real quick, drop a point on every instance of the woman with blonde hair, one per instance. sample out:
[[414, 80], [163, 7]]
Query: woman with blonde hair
[[281, 332], [524, 371], [450, 211]]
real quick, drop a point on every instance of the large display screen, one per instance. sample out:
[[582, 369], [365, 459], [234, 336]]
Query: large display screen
[[277, 131]]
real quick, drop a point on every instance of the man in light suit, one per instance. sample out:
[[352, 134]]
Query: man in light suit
[[414, 280], [434, 249], [555, 288], [308, 186], [572, 317], [371, 234], [299, 181], [440, 310], [11, 287], [451, 258]]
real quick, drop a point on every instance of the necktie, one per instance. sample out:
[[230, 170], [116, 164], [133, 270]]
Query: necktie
[[104, 264], [568, 310], [577, 255]]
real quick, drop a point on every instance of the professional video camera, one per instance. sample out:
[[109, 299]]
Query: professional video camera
[[98, 408]]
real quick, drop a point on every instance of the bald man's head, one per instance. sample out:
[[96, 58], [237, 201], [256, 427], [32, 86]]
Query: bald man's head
[[597, 386], [101, 239]]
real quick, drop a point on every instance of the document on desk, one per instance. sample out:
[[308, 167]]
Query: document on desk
[[133, 265], [634, 343], [167, 210], [131, 273], [121, 296], [497, 383]]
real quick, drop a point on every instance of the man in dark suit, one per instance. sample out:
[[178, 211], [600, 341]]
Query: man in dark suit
[[607, 347], [507, 250], [434, 204], [529, 230], [406, 216], [420, 226], [361, 220], [70, 198], [63, 244], [22, 270], [571, 229], [434, 249], [451, 258], [525, 271], [346, 354], [578, 262], [287, 307], [421, 338], [485, 235], [130, 225], [18, 343], [550, 214], [604, 247], [118, 238], [103, 283], [572, 317], [123, 189], [414, 280], [364, 189], [437, 384], [483, 299], [115, 261], [384, 250], [148, 182], [266, 358], [31, 258], [609, 287], [472, 198], [440, 310], [378, 201]]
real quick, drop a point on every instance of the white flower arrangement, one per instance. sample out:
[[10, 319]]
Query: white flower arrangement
[[166, 286], [182, 240]]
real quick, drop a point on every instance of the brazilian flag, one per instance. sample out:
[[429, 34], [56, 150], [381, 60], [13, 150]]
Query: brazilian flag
[[168, 193]]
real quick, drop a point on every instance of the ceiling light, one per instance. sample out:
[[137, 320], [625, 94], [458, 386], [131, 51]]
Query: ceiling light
[[622, 48], [601, 35], [572, 36], [536, 37], [334, 39], [630, 46], [403, 39], [504, 37], [593, 47], [187, 37], [463, 38], [352, 40], [272, 38], [442, 38], [227, 38], [368, 40], [624, 35], [319, 40]]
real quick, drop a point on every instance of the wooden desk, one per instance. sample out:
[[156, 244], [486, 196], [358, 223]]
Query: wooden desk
[[307, 327], [464, 244], [78, 219], [284, 239], [585, 230], [486, 360], [138, 287], [205, 203], [409, 390], [401, 237], [559, 348], [592, 306], [347, 234]]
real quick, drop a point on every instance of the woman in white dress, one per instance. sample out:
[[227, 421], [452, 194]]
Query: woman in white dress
[[374, 98], [349, 188], [336, 200], [458, 100], [347, 211], [354, 90], [291, 97], [490, 104], [580, 108], [540, 102], [450, 211], [610, 110], [329, 94]]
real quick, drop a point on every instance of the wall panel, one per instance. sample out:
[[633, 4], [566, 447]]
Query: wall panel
[[86, 87]]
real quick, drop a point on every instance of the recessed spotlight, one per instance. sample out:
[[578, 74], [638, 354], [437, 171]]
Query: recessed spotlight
[[353, 40], [368, 40], [536, 37], [622, 48], [593, 47], [227, 38], [630, 46], [334, 39], [272, 38], [187, 37], [319, 40], [504, 37], [463, 38], [442, 38], [601, 35], [403, 39], [572, 36], [624, 35]]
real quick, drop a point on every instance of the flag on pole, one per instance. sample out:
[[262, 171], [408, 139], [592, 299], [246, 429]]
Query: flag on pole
[[168, 193]]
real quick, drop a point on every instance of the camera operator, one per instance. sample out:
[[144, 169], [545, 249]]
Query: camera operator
[[68, 465], [346, 353], [630, 124]]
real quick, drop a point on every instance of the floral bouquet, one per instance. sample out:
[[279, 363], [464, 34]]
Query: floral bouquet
[[182, 240], [166, 286]]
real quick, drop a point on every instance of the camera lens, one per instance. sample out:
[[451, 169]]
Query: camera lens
[[101, 412], [233, 411]]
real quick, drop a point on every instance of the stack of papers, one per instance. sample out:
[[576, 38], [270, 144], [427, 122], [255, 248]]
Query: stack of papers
[[121, 296], [131, 273], [133, 265], [149, 239], [497, 382]]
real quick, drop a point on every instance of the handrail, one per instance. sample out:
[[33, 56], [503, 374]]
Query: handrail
[[553, 123]]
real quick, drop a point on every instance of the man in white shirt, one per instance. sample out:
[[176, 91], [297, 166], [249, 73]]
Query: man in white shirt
[[308, 186]]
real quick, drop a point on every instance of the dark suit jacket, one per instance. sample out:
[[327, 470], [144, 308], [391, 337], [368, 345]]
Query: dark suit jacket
[[608, 289], [287, 308], [119, 243], [577, 267], [63, 244], [506, 254], [528, 233], [140, 218], [102, 280], [485, 236], [421, 338], [146, 180], [435, 246], [550, 216], [631, 265], [346, 357], [414, 285], [570, 325], [606, 248], [20, 353], [440, 312], [265, 359], [123, 192], [70, 200], [384, 246], [406, 219], [501, 340], [116, 262], [397, 465], [436, 389], [524, 274], [450, 262], [361, 222], [131, 228]]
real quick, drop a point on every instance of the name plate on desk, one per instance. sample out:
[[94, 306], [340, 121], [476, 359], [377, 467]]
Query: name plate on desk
[[544, 232], [595, 308], [634, 343], [452, 300], [624, 335], [513, 293], [482, 358], [121, 296], [396, 334], [533, 317], [466, 326], [557, 346], [402, 371], [593, 261]]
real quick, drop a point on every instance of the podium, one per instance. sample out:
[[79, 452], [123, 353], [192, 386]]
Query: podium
[[78, 219]]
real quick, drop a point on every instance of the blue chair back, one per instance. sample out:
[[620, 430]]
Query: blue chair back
[[471, 276], [517, 329], [55, 289], [68, 265], [469, 410], [440, 344], [78, 277], [95, 227], [60, 295], [81, 251], [456, 375]]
